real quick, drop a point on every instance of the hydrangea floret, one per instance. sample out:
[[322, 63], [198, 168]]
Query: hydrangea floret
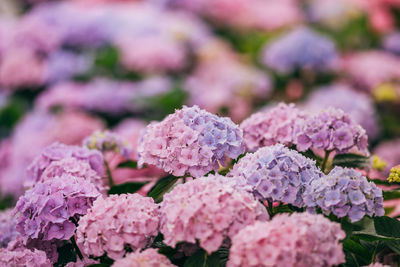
[[148, 257], [108, 141]]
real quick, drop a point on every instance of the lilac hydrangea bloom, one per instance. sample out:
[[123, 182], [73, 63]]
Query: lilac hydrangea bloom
[[107, 141], [331, 130], [357, 105], [8, 230], [23, 257], [277, 173], [49, 209], [190, 141], [298, 49], [57, 152], [345, 192]]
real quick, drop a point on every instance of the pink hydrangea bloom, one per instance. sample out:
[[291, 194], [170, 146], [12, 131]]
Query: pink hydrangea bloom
[[50, 209], [146, 258], [272, 126], [151, 53], [331, 130], [116, 222], [221, 80], [36, 131], [58, 152], [209, 210], [300, 239], [23, 257], [190, 141], [371, 68]]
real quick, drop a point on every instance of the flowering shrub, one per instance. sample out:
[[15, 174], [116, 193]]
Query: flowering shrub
[[190, 141], [299, 239], [51, 208], [345, 192], [277, 173], [117, 222], [185, 212]]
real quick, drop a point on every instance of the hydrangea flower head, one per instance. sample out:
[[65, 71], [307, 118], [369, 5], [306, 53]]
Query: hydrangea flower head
[[76, 168], [49, 209], [23, 257], [331, 130], [299, 239], [148, 257], [8, 230], [190, 141], [107, 141], [277, 173], [117, 222], [298, 49], [272, 126], [209, 210], [345, 192], [57, 152]]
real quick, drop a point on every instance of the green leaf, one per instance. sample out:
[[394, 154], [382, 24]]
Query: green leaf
[[66, 253], [202, 259], [126, 188], [128, 164], [356, 248], [161, 187], [387, 226], [351, 161], [369, 231], [282, 209], [394, 194], [310, 154]]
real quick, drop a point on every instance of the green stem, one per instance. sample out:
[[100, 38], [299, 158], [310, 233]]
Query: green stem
[[76, 247], [323, 165], [270, 209], [109, 176]]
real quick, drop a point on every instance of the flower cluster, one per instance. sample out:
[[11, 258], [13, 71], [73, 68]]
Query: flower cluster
[[277, 173], [331, 130], [107, 141], [8, 231], [300, 48], [300, 239], [57, 152], [190, 141], [23, 257], [357, 105], [117, 222], [394, 174], [77, 168], [209, 210], [148, 257], [275, 125], [345, 192], [49, 209]]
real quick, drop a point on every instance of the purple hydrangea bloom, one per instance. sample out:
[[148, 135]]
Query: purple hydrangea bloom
[[359, 106], [58, 152], [51, 208], [298, 49], [8, 230], [331, 130], [391, 43], [277, 173], [345, 192], [190, 141], [107, 141], [23, 257]]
